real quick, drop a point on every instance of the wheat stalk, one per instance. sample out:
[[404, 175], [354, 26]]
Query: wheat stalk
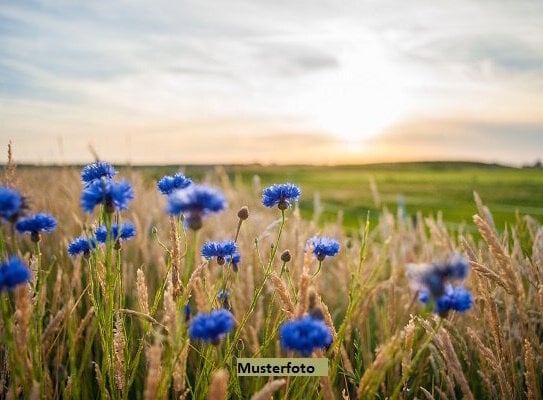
[[154, 370], [530, 373], [509, 274], [303, 286], [218, 388], [141, 289], [282, 290], [453, 363], [268, 390]]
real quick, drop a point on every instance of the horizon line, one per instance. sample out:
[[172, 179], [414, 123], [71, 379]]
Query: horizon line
[[533, 164]]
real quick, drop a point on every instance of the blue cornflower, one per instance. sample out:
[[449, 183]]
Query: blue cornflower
[[35, 224], [97, 171], [305, 335], [13, 272], [195, 201], [457, 298], [434, 276], [11, 204], [211, 327], [170, 183], [280, 195], [126, 231], [114, 196], [221, 250], [323, 246], [82, 245], [432, 281]]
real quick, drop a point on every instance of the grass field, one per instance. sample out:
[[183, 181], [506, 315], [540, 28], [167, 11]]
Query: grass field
[[114, 324], [429, 187]]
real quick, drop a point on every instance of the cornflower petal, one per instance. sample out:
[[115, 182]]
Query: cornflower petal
[[211, 327], [126, 231], [219, 249], [40, 222], [170, 183], [82, 245], [11, 203], [280, 195], [97, 171], [305, 335], [13, 272], [111, 194], [323, 246]]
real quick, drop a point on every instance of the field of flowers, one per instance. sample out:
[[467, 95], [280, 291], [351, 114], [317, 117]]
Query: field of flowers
[[115, 286]]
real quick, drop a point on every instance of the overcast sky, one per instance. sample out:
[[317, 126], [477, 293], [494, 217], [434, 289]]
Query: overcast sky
[[319, 81]]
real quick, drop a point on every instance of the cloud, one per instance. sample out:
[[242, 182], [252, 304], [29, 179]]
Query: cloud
[[345, 69], [457, 138]]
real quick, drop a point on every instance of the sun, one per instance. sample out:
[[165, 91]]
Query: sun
[[366, 94]]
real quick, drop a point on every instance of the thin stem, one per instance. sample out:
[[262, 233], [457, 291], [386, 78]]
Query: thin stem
[[317, 271], [237, 230], [274, 250], [256, 294], [191, 256], [39, 315], [284, 270]]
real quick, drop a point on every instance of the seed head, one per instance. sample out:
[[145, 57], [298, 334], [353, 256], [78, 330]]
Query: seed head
[[285, 256], [243, 213]]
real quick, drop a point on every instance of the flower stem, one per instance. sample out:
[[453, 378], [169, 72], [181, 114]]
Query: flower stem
[[257, 292]]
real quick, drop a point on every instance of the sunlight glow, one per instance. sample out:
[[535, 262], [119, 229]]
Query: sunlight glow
[[367, 95]]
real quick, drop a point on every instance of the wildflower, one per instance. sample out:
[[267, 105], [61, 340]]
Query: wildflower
[[114, 196], [220, 250], [82, 245], [123, 232], [35, 224], [434, 276], [323, 246], [433, 284], [170, 183], [280, 195], [455, 298], [196, 201], [211, 327], [13, 272], [186, 312], [305, 335], [97, 171], [12, 204]]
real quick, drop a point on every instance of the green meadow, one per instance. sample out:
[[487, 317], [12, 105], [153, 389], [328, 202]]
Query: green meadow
[[426, 187]]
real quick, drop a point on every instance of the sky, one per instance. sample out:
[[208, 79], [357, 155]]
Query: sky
[[272, 81]]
